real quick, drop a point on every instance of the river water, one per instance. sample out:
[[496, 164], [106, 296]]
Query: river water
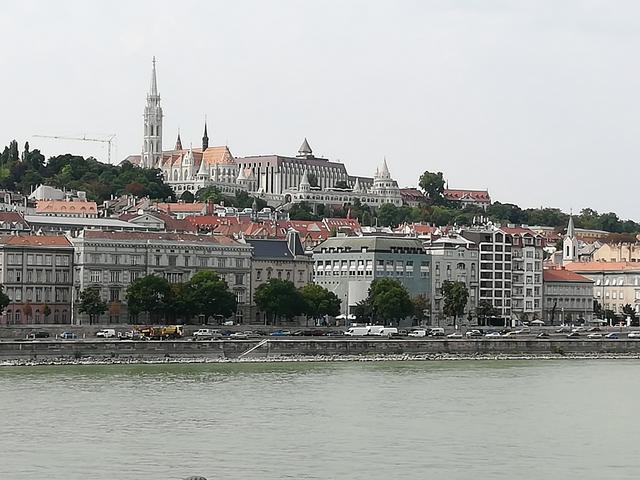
[[523, 420]]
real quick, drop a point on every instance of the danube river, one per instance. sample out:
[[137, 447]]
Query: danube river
[[568, 419]]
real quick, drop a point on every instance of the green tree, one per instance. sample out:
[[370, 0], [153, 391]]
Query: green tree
[[279, 299], [187, 197], [485, 310], [389, 300], [210, 295], [180, 308], [455, 299], [341, 184], [92, 304], [150, 294], [313, 180], [302, 211], [630, 312], [4, 299], [433, 186], [387, 215], [46, 311], [421, 308], [363, 310], [319, 301]]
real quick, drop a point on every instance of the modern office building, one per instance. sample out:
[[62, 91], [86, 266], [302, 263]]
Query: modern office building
[[348, 265]]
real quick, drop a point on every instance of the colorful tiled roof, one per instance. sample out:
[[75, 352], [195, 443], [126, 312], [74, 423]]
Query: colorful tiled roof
[[557, 275]]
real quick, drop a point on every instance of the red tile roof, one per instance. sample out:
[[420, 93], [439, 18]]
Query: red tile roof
[[196, 207], [66, 207], [476, 195], [34, 241], [602, 266], [158, 236], [552, 275]]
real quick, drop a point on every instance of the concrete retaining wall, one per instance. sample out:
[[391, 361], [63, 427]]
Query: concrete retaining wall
[[230, 349]]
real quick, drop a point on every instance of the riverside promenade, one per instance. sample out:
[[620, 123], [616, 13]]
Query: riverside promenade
[[110, 351]]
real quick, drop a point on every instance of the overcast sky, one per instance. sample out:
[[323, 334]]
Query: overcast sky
[[536, 101]]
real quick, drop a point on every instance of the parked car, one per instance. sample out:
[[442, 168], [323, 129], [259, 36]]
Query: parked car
[[454, 335], [281, 333], [634, 334], [437, 332], [68, 335], [239, 336], [106, 333], [38, 334], [206, 334], [418, 333], [612, 336], [573, 335], [563, 329], [594, 329], [578, 329], [542, 335], [493, 334], [335, 333], [473, 333], [228, 323], [594, 335]]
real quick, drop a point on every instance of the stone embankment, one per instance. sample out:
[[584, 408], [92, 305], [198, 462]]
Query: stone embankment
[[288, 349]]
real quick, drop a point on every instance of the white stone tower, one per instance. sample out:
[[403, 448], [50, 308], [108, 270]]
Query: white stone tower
[[570, 244], [152, 145]]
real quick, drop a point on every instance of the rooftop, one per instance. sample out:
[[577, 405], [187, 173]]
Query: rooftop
[[552, 275]]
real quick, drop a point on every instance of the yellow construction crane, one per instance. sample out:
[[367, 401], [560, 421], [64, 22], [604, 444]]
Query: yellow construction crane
[[108, 139]]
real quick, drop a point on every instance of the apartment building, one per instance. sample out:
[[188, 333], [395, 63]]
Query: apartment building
[[494, 246], [453, 258], [568, 297], [111, 261], [348, 265], [284, 259], [616, 284], [36, 273], [526, 278]]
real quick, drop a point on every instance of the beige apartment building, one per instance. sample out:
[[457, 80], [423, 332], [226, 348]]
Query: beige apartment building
[[616, 284], [617, 252], [36, 273]]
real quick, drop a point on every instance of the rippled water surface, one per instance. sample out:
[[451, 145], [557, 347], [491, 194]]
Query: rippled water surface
[[355, 421]]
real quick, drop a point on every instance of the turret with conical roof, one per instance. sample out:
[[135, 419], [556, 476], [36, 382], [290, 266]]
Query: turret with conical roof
[[178, 142], [305, 186], [305, 150]]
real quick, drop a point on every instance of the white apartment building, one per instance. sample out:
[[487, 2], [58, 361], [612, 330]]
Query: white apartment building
[[526, 278]]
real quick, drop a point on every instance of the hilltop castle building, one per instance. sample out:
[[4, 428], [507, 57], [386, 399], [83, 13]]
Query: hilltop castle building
[[279, 180]]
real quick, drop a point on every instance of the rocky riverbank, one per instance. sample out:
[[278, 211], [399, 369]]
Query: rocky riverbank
[[317, 359]]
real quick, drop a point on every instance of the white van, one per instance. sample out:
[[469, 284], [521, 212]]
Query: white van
[[388, 332], [376, 329], [357, 331], [106, 333]]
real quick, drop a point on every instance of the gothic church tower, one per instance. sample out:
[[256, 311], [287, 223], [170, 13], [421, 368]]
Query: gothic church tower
[[152, 146]]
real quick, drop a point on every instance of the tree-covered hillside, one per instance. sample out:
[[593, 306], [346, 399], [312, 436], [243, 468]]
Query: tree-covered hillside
[[22, 171]]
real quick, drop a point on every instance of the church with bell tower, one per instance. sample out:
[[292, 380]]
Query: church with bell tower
[[152, 143]]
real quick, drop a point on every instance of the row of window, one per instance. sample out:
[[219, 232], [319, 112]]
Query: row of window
[[172, 260], [39, 294], [279, 274], [38, 276], [15, 316], [38, 259]]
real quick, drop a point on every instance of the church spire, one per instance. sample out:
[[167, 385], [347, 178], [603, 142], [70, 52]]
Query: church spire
[[178, 142], [153, 91], [205, 136], [571, 230]]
